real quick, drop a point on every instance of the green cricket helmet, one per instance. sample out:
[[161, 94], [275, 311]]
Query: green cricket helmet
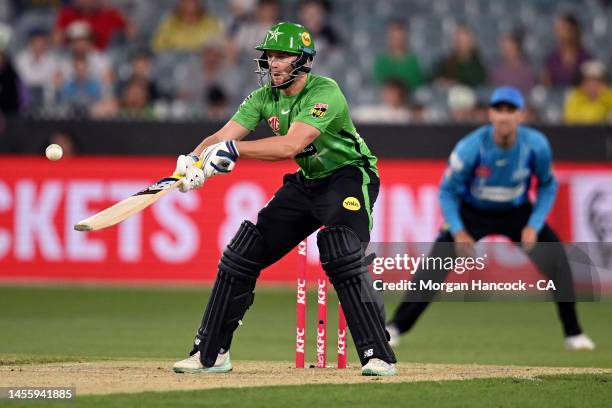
[[286, 37]]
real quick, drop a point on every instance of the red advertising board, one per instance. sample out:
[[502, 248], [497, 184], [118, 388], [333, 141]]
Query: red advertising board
[[179, 239]]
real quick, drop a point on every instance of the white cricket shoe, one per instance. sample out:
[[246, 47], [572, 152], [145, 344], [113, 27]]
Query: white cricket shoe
[[193, 365], [377, 367], [580, 342], [394, 335]]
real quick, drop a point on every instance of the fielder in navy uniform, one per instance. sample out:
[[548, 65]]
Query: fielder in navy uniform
[[484, 191]]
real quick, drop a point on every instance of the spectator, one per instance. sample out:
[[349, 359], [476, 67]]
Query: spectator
[[135, 100], [40, 6], [9, 85], [562, 66], [398, 61], [105, 22], [392, 109], [83, 90], [81, 45], [37, 66], [463, 105], [66, 140], [241, 13], [252, 33], [141, 66], [463, 65], [188, 28], [217, 105], [591, 102], [212, 70], [143, 15], [314, 15], [514, 70]]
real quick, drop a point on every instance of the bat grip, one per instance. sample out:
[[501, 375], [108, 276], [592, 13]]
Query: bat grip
[[198, 164]]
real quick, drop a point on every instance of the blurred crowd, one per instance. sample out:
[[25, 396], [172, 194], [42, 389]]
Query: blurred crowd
[[191, 59]]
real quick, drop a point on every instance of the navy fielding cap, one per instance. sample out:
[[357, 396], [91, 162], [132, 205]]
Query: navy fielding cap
[[509, 95]]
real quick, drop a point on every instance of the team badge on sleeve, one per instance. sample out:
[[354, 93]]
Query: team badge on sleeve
[[318, 111]]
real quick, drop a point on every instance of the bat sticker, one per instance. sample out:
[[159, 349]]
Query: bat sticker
[[162, 184]]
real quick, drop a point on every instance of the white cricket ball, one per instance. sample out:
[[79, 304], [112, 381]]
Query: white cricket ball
[[54, 152]]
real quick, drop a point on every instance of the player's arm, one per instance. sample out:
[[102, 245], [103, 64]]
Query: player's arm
[[232, 130], [195, 174], [218, 152], [454, 183], [239, 126], [316, 113], [277, 148], [547, 187]]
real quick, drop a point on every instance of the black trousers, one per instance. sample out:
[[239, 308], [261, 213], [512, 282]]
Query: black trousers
[[301, 206], [550, 259], [345, 198]]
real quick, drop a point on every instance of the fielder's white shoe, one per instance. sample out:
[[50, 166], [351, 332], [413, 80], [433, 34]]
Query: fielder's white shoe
[[394, 335], [377, 367], [193, 365], [580, 342]]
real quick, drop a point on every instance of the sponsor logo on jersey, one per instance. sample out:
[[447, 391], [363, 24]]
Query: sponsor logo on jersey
[[351, 204], [501, 162], [274, 124], [521, 174], [318, 111], [306, 39], [309, 150]]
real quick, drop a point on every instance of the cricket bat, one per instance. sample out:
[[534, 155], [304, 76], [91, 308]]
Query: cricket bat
[[131, 205]]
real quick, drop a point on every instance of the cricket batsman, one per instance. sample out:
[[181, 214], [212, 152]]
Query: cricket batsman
[[484, 191], [335, 187]]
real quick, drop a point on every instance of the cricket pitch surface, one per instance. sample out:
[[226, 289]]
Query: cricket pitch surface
[[111, 377]]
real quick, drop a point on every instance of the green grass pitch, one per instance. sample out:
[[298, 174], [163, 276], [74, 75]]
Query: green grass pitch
[[65, 324]]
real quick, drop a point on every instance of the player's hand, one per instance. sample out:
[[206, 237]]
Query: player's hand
[[192, 175], [464, 244], [219, 158], [529, 237]]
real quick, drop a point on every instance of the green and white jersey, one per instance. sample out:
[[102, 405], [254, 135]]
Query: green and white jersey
[[320, 104]]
